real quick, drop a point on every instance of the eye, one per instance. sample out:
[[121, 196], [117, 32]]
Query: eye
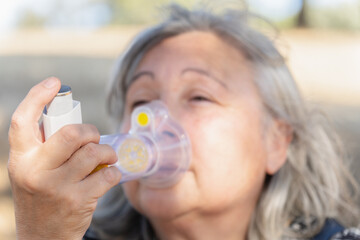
[[138, 103], [199, 99]]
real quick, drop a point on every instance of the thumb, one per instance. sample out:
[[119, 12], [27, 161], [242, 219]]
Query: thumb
[[25, 118]]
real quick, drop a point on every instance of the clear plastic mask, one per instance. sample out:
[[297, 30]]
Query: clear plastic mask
[[156, 150]]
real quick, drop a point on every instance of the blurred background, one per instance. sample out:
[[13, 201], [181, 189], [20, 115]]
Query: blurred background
[[78, 41]]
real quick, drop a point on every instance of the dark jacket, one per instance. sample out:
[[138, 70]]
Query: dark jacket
[[332, 230]]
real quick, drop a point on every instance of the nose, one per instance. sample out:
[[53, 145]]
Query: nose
[[175, 108], [179, 112]]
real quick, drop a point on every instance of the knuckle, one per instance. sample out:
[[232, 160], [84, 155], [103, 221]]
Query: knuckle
[[109, 176], [91, 150], [17, 121], [11, 167], [32, 184], [12, 171], [70, 134], [33, 91], [112, 156], [94, 132]]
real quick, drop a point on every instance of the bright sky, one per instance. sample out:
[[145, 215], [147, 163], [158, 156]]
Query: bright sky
[[8, 14], [280, 9], [276, 9], [11, 10]]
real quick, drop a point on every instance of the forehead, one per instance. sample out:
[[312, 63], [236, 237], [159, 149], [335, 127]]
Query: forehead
[[202, 48]]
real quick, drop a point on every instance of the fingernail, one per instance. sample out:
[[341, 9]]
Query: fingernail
[[50, 82], [112, 175]]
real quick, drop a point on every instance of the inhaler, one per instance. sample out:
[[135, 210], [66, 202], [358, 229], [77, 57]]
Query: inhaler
[[61, 111], [156, 150]]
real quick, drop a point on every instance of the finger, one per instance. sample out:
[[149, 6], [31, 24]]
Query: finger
[[24, 128], [41, 134], [97, 184], [66, 141], [87, 158]]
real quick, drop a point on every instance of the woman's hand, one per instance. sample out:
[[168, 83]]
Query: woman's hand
[[54, 194]]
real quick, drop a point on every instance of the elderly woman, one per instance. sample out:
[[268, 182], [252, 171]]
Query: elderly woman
[[262, 167]]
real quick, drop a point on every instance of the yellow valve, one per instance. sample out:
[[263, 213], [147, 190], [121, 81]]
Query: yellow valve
[[143, 119], [99, 167]]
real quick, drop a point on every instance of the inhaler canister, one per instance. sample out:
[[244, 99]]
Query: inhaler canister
[[61, 111]]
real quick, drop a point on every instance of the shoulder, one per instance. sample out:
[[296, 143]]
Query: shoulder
[[90, 235], [332, 230], [347, 234]]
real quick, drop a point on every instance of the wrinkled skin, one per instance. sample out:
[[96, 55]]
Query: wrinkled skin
[[54, 194], [208, 87]]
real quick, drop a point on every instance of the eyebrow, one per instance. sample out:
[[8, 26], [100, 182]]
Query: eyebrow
[[205, 73], [143, 73], [190, 69]]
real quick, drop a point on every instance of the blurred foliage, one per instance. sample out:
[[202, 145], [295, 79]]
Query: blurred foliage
[[138, 11], [341, 16], [31, 19], [289, 22], [344, 16]]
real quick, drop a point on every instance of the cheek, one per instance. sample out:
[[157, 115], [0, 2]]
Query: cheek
[[125, 125], [131, 192], [228, 154]]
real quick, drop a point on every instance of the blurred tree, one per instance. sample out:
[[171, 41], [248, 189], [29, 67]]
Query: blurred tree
[[283, 13], [342, 15], [313, 13], [138, 11], [301, 21], [30, 19]]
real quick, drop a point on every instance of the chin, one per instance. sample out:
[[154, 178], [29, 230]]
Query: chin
[[164, 203]]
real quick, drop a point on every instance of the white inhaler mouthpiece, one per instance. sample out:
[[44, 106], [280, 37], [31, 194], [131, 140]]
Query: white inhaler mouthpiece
[[156, 150], [61, 111]]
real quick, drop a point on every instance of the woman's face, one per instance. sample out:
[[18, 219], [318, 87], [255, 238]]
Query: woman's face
[[207, 85]]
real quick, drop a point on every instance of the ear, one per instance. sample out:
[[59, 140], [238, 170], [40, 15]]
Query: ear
[[279, 136]]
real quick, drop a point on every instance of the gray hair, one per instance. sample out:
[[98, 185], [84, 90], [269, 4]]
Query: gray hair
[[314, 184]]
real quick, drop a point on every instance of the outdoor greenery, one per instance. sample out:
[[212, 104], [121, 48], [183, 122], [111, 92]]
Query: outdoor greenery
[[119, 12]]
